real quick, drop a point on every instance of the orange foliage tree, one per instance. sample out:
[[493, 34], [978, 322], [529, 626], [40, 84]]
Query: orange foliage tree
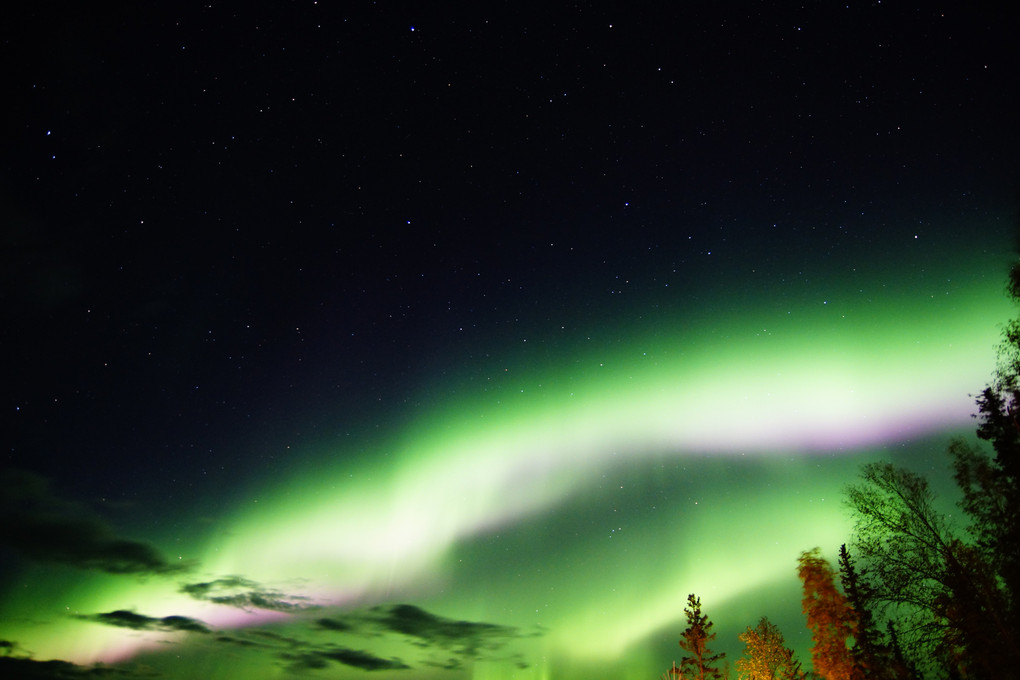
[[766, 656], [830, 617]]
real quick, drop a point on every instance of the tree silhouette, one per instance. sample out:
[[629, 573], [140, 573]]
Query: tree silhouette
[[943, 590], [869, 652], [766, 656], [900, 667], [876, 657], [699, 662], [991, 484]]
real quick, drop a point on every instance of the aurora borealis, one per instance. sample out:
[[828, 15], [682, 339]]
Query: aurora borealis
[[401, 343], [516, 510]]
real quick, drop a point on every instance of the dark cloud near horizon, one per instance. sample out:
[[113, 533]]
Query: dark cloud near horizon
[[277, 637], [447, 644], [450, 664], [464, 637], [30, 669], [303, 655], [317, 643], [362, 660], [46, 528], [82, 543], [235, 591], [335, 625], [123, 618], [235, 641], [282, 646], [355, 658]]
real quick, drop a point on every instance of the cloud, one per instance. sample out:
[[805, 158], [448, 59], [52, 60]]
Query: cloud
[[318, 659], [432, 641], [235, 641], [81, 543], [46, 528], [363, 660], [311, 643], [30, 669], [276, 637], [309, 661], [333, 625], [465, 637], [16, 662], [242, 593], [123, 618], [450, 664]]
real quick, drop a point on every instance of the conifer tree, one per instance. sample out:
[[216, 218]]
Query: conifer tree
[[699, 663], [869, 652], [900, 667]]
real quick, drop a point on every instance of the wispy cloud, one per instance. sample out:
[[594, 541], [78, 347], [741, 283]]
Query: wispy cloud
[[335, 625], [235, 641], [45, 528], [243, 593], [307, 641], [123, 618], [464, 637], [82, 543], [30, 669], [433, 641], [355, 658]]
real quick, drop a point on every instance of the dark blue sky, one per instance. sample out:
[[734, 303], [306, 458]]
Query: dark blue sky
[[235, 234], [186, 189]]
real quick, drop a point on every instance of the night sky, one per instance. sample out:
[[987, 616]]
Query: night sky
[[370, 337]]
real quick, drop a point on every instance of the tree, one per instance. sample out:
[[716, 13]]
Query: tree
[[900, 667], [986, 491], [830, 617], [943, 590], [955, 595], [991, 484], [870, 655], [766, 656], [877, 658], [699, 662]]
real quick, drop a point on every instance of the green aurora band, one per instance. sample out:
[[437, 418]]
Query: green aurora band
[[579, 504]]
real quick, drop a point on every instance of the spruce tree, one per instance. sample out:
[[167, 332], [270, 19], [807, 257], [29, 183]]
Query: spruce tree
[[869, 652], [699, 663]]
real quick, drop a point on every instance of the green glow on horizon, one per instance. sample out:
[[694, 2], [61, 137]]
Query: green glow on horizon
[[67, 596]]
